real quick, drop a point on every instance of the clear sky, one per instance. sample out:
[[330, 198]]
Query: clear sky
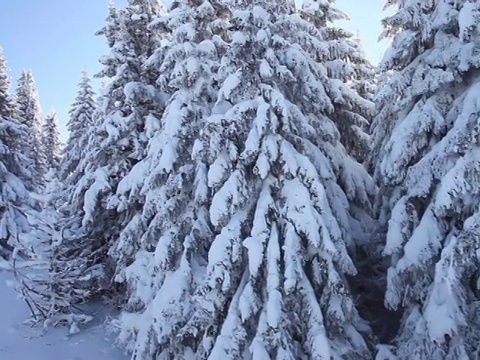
[[55, 38], [366, 16]]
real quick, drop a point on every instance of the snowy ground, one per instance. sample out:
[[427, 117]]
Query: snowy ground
[[19, 341]]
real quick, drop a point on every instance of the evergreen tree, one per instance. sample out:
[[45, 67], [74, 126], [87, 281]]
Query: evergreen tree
[[9, 110], [81, 119], [165, 242], [364, 81], [15, 199], [15, 172], [30, 115], [52, 144], [427, 165], [345, 61], [257, 224], [8, 105], [116, 142]]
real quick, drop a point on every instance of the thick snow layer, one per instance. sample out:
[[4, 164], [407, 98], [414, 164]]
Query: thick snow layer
[[21, 341]]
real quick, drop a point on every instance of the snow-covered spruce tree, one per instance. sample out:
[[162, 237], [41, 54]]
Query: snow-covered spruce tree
[[81, 118], [279, 192], [346, 62], [427, 164], [15, 199], [15, 171], [364, 81], [9, 110], [168, 238], [52, 144], [30, 115], [116, 142], [8, 105], [89, 140]]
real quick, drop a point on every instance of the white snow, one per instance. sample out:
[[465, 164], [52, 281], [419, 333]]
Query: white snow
[[99, 186], [19, 340], [231, 83], [468, 19]]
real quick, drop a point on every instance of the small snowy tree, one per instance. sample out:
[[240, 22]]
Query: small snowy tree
[[81, 119], [8, 105], [116, 142], [346, 62], [15, 172], [427, 164], [15, 199], [30, 115], [52, 144], [364, 81], [9, 110]]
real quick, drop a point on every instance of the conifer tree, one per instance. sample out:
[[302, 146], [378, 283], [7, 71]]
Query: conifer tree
[[15, 199], [8, 105], [170, 185], [116, 142], [52, 144], [364, 81], [276, 200], [81, 119], [427, 164], [345, 61], [30, 115], [15, 171], [9, 110]]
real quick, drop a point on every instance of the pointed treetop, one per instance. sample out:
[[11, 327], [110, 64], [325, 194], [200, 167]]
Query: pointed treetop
[[28, 99], [80, 121], [85, 81], [52, 113], [51, 139], [7, 101], [357, 37]]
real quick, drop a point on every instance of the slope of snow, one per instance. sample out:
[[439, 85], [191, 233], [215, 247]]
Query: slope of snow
[[21, 341]]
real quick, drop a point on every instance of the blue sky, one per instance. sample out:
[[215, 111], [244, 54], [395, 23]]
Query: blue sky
[[55, 38], [366, 16]]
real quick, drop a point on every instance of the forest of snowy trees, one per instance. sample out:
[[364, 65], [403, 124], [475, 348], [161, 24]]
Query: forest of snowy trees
[[248, 186]]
